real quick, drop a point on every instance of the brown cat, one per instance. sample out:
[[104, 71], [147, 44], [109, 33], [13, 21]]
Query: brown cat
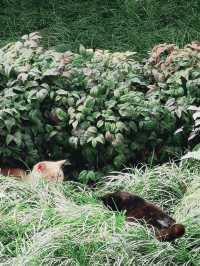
[[50, 171], [136, 207]]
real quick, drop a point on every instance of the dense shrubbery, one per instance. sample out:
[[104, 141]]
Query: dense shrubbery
[[175, 75], [94, 107]]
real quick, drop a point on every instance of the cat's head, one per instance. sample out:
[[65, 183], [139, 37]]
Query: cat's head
[[171, 233], [50, 171]]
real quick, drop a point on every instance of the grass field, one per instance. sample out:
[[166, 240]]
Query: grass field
[[117, 25], [68, 225]]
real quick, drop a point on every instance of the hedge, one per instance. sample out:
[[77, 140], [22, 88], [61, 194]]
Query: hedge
[[101, 110]]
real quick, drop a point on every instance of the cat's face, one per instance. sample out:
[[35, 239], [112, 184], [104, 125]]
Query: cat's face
[[50, 171]]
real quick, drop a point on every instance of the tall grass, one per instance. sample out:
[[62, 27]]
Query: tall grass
[[67, 224], [117, 25]]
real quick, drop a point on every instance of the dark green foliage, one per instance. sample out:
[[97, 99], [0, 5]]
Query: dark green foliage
[[175, 75], [91, 106]]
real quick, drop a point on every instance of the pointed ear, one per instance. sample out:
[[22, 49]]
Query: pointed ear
[[41, 167], [60, 163]]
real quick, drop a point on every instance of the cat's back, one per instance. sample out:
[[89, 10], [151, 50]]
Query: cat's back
[[121, 200]]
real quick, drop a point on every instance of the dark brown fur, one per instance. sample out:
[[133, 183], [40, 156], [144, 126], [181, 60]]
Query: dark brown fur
[[136, 207]]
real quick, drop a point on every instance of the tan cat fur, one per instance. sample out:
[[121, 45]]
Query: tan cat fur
[[47, 170]]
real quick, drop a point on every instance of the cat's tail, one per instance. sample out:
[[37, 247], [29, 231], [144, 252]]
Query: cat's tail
[[171, 233]]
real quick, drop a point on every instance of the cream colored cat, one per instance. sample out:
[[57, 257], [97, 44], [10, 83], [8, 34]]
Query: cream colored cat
[[48, 170]]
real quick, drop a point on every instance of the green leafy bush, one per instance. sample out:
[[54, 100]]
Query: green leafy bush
[[90, 106], [175, 79], [175, 71], [26, 97]]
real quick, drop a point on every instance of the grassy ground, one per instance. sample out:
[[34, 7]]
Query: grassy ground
[[67, 225], [117, 25]]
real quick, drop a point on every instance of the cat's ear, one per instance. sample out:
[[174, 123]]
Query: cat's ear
[[41, 167], [60, 163]]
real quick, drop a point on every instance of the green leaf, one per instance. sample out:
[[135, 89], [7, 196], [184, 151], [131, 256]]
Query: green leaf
[[133, 126], [73, 141], [61, 114], [100, 123], [100, 139], [52, 134], [9, 139], [18, 138], [75, 124], [42, 94], [9, 124], [92, 130], [94, 143]]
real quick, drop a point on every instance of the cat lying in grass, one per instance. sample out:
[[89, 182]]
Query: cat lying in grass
[[136, 207], [50, 171]]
